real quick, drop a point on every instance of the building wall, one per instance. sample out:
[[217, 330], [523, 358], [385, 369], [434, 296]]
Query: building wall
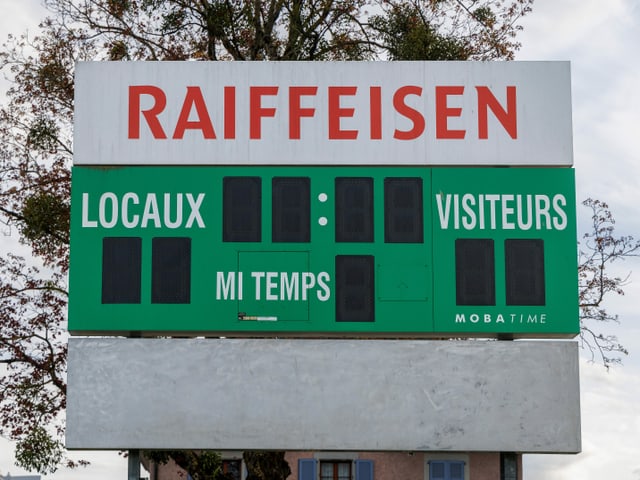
[[412, 465], [396, 465], [485, 466], [387, 465]]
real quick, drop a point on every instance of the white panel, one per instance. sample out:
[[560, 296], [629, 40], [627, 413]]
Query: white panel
[[104, 113], [384, 395]]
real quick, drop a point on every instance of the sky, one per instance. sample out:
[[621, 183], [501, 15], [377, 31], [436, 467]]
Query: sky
[[601, 40]]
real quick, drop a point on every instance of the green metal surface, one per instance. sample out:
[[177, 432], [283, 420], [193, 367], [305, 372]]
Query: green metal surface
[[278, 288], [559, 314]]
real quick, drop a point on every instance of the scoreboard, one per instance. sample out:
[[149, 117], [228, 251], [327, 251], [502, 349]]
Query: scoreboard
[[422, 199], [401, 251], [299, 203]]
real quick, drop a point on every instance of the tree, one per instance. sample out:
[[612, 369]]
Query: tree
[[600, 248], [36, 154], [34, 200], [201, 465], [266, 466], [292, 29]]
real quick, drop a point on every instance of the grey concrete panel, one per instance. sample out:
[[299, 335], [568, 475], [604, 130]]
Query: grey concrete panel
[[303, 394]]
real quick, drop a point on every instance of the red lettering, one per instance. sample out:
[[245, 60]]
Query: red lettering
[[507, 118], [256, 112], [336, 113], [403, 109], [193, 98], [376, 112], [146, 104], [296, 112], [443, 112], [229, 112], [150, 115]]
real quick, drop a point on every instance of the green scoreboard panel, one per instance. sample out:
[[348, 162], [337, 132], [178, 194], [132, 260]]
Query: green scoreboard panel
[[504, 251], [323, 251]]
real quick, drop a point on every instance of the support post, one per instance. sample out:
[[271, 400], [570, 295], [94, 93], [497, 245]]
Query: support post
[[134, 465]]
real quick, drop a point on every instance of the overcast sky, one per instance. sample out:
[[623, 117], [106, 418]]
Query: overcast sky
[[601, 40]]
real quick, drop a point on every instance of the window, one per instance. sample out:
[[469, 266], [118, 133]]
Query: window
[[446, 470], [344, 469], [335, 470], [232, 469]]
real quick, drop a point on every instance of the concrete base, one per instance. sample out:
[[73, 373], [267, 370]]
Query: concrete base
[[294, 394]]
